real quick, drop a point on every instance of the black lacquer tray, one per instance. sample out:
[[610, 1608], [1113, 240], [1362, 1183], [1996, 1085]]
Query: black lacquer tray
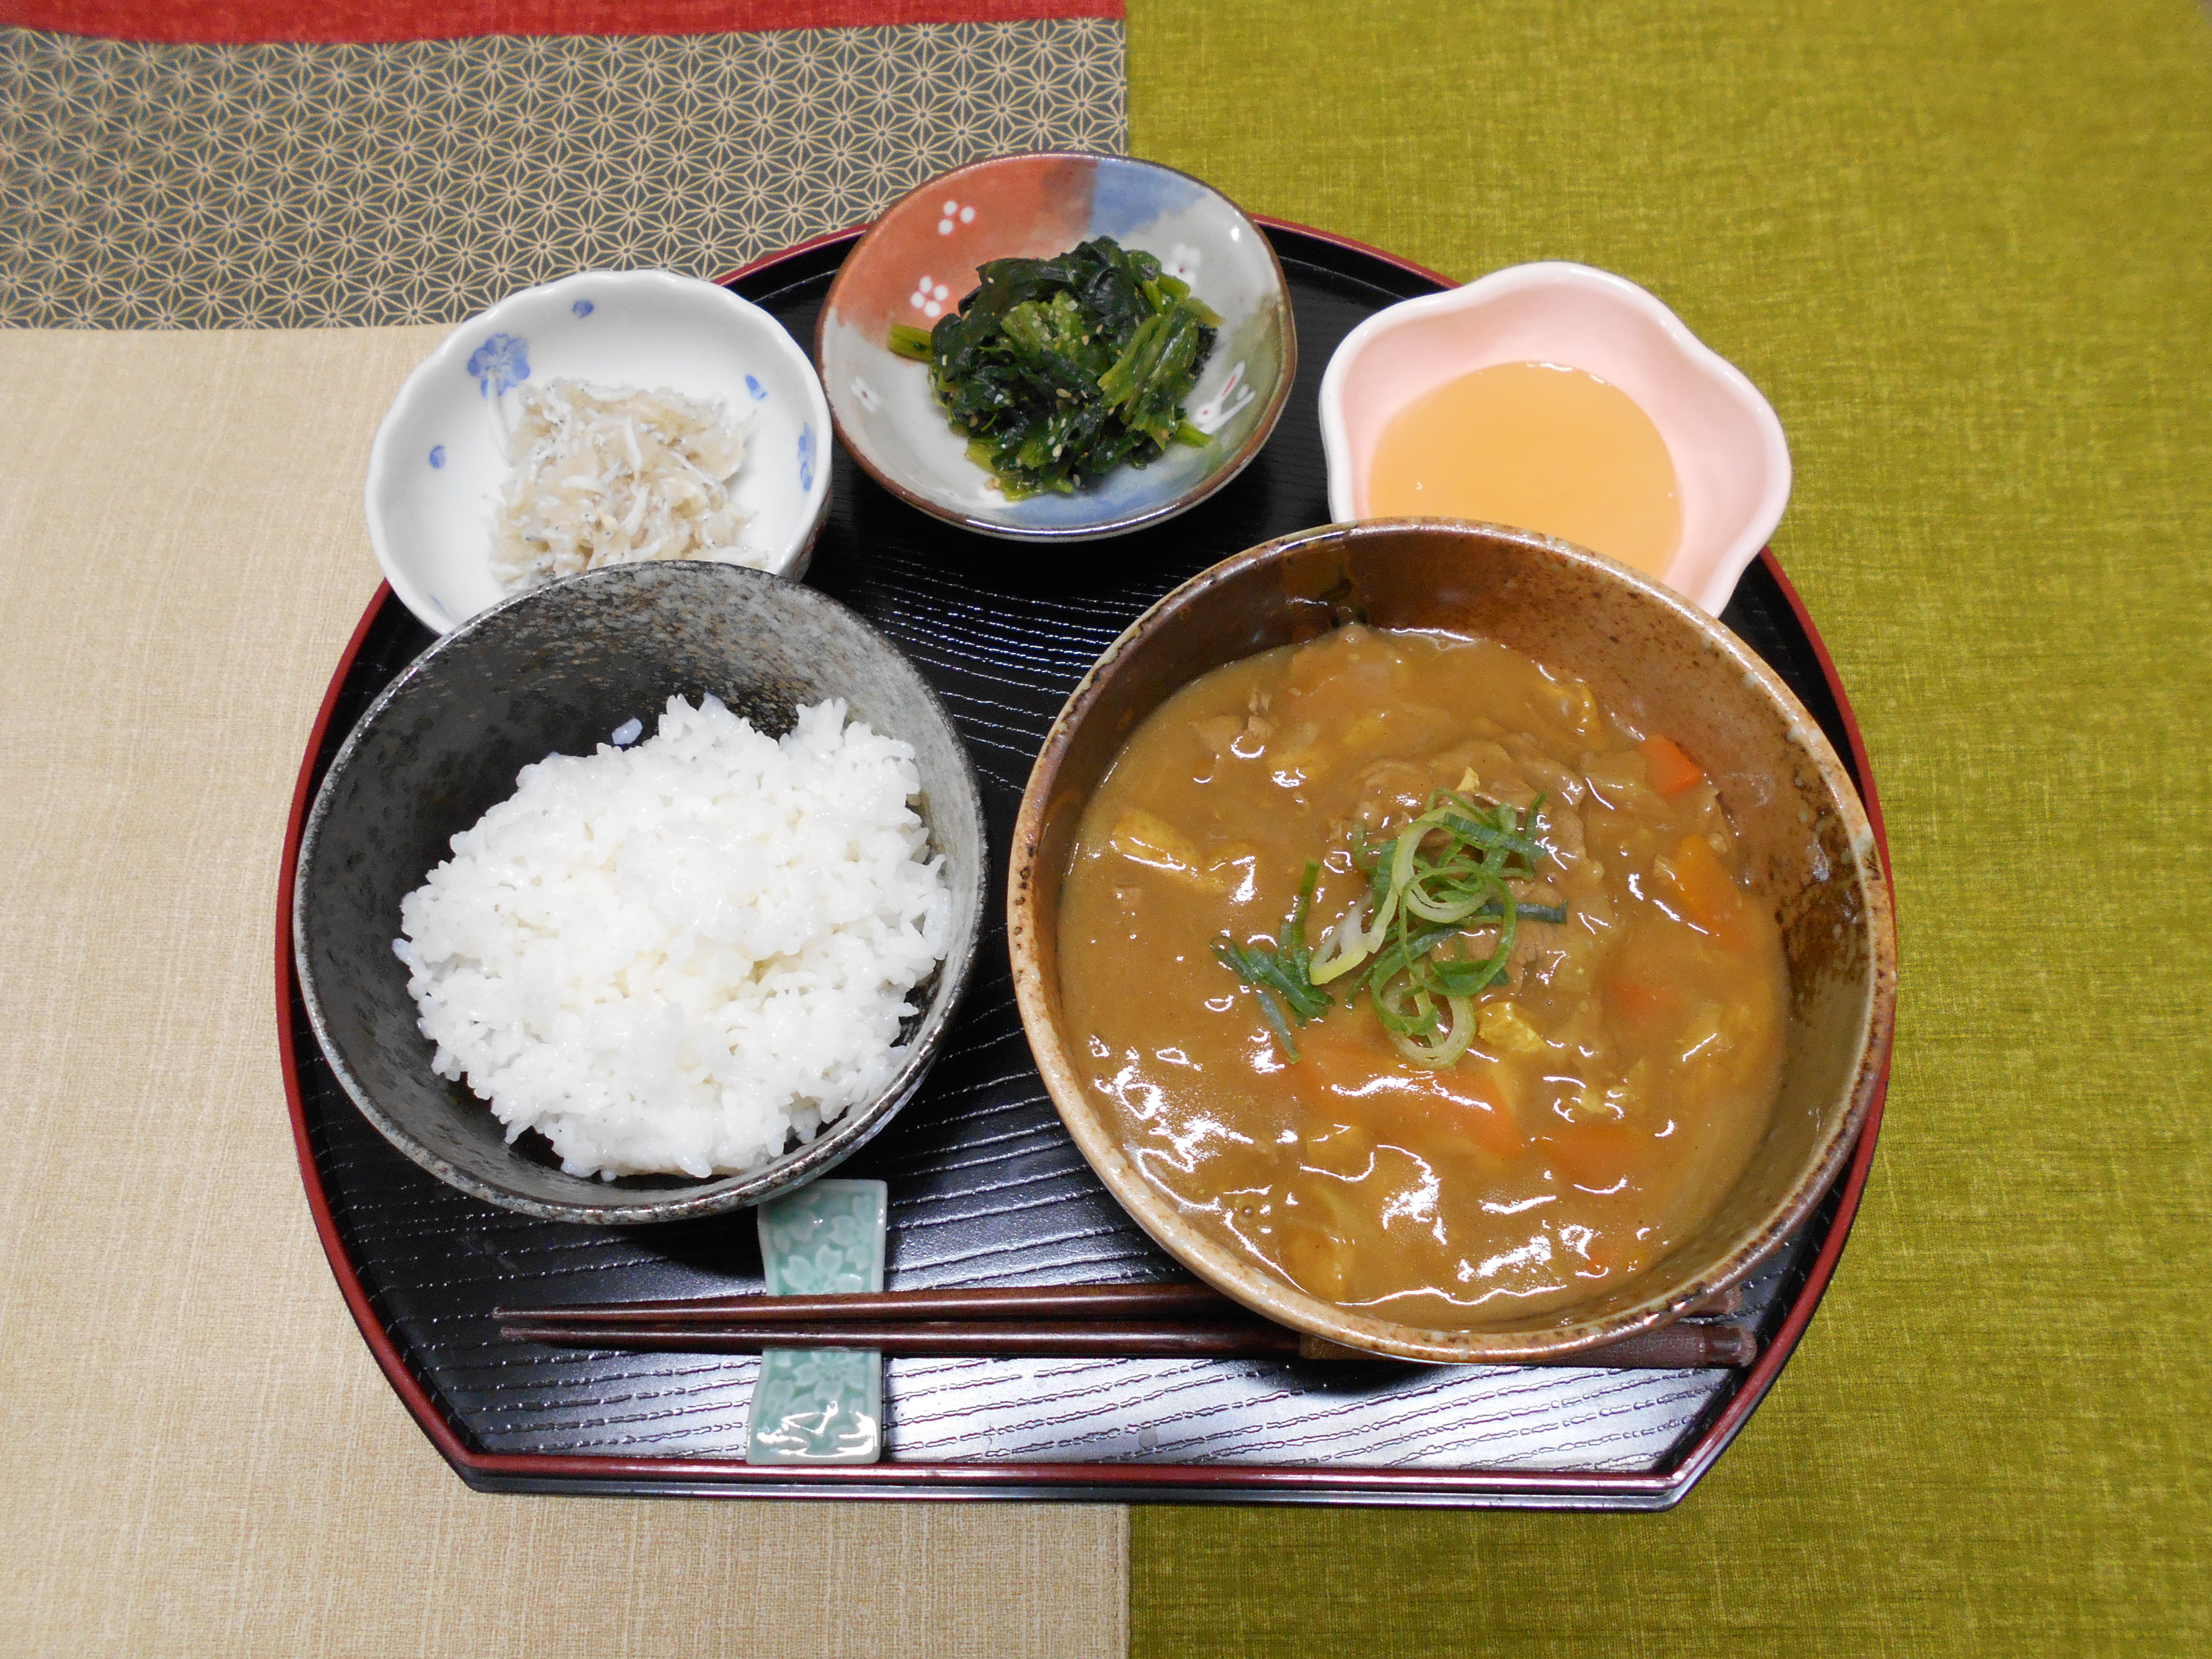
[[986, 1186]]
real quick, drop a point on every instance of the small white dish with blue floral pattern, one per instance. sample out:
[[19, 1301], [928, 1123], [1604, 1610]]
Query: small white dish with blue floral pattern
[[440, 463]]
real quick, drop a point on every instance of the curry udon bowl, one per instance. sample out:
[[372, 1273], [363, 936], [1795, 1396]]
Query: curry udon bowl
[[1653, 659]]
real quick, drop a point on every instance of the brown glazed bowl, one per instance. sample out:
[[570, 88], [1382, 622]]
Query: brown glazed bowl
[[1646, 652]]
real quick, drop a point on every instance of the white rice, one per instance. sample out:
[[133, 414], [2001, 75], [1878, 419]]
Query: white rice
[[672, 957]]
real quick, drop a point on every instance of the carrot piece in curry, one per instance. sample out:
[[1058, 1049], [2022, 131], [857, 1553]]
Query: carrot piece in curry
[[1593, 1156], [1671, 772], [1711, 900], [1641, 1006]]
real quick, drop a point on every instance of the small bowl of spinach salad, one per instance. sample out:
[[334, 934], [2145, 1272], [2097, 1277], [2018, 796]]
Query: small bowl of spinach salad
[[1057, 347]]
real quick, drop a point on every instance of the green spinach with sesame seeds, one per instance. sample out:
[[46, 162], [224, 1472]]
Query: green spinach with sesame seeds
[[1057, 371]]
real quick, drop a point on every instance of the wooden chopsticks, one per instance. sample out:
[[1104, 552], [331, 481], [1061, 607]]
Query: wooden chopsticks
[[997, 1304], [1176, 1320]]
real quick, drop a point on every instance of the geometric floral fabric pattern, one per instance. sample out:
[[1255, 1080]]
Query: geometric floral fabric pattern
[[300, 186]]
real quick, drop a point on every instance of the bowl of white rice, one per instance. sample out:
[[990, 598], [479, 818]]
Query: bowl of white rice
[[643, 895]]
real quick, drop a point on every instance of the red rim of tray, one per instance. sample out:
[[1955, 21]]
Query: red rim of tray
[[1241, 1482]]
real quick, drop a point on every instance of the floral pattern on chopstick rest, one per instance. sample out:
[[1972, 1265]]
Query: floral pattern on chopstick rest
[[821, 1405]]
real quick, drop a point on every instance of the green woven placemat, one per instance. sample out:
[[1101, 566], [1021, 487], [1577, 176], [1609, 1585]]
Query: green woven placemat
[[1967, 253]]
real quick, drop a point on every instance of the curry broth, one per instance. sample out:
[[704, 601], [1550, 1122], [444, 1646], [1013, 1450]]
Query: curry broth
[[1619, 1077]]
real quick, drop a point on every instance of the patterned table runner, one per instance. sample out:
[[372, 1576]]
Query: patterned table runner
[[316, 185], [217, 263]]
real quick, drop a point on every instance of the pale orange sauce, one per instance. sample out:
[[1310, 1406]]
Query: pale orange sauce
[[1536, 446]]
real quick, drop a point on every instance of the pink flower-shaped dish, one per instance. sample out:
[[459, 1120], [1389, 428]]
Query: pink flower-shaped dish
[[1731, 462]]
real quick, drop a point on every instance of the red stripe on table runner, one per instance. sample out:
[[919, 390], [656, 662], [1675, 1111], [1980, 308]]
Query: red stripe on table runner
[[213, 22]]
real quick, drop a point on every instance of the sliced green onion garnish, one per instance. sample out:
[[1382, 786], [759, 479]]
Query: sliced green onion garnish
[[1442, 876]]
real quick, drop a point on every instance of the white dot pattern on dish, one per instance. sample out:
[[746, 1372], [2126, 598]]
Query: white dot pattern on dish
[[928, 298], [955, 213]]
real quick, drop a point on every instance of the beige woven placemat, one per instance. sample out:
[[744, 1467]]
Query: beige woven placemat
[[200, 1455]]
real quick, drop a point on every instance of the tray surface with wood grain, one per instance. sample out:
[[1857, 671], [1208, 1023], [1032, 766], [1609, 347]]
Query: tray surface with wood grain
[[986, 1186]]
